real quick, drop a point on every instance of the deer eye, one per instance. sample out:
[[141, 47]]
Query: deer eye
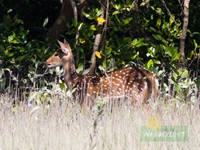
[[56, 54]]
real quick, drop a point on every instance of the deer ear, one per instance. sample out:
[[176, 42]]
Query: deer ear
[[60, 43], [65, 42], [63, 47], [65, 50]]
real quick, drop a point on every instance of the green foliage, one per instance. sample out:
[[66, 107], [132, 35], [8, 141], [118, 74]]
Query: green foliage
[[16, 48], [21, 58], [45, 95], [184, 86], [146, 34], [149, 37]]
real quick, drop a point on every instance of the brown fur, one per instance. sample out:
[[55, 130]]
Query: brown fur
[[133, 82]]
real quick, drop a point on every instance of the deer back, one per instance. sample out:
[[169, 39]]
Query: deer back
[[133, 82]]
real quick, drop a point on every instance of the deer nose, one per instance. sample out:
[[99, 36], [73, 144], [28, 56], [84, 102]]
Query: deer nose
[[48, 63]]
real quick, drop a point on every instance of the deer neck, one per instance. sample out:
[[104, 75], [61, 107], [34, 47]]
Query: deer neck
[[70, 73]]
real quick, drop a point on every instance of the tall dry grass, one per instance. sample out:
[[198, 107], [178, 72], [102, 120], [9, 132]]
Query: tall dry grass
[[66, 125]]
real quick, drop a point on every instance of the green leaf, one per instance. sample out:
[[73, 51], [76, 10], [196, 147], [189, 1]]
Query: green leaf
[[195, 44], [150, 63], [63, 86], [102, 68], [143, 3], [80, 26], [134, 42], [153, 29], [115, 12], [117, 7], [104, 64], [20, 58], [185, 73], [135, 56], [157, 37], [92, 27], [171, 19], [87, 15], [152, 17], [11, 38], [116, 17], [177, 88], [80, 68], [159, 11], [108, 50], [10, 54], [151, 52], [176, 57], [127, 20], [98, 12], [158, 23], [157, 62], [171, 81]]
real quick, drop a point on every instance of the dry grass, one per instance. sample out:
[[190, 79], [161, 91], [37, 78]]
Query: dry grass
[[66, 126]]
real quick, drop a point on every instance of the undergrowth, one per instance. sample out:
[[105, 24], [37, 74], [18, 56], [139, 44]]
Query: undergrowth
[[41, 114]]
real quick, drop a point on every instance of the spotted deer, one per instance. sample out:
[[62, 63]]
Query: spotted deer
[[135, 83]]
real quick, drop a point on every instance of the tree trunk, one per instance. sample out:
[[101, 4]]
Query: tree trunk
[[105, 26], [75, 13], [97, 42], [59, 26], [184, 33]]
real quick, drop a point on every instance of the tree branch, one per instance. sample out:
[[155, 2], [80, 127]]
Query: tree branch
[[184, 32], [168, 11], [106, 24], [75, 13], [59, 26], [97, 41]]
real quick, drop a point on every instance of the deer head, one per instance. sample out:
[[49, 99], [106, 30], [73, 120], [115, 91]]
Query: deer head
[[64, 57]]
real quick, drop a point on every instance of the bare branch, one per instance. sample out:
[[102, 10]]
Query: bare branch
[[97, 42], [168, 11]]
